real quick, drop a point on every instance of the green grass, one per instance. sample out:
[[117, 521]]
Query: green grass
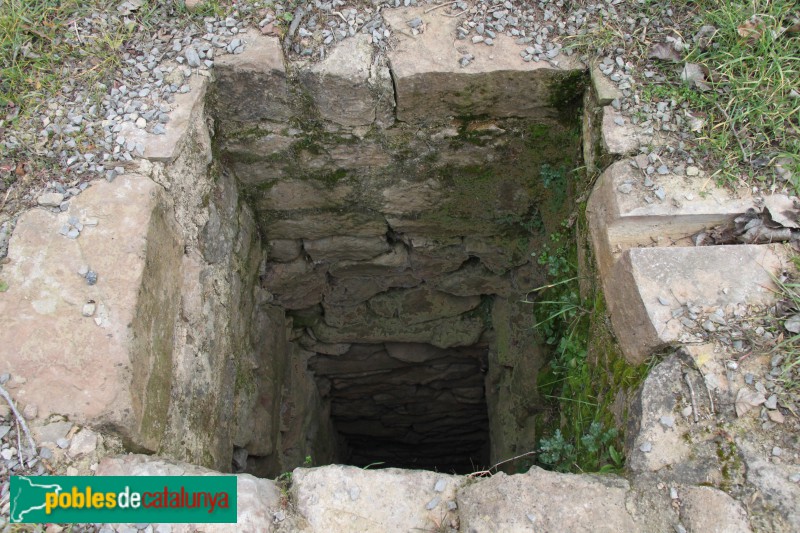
[[41, 47], [753, 117], [789, 348]]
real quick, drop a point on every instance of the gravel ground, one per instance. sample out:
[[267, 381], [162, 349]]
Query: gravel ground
[[78, 133], [76, 136]]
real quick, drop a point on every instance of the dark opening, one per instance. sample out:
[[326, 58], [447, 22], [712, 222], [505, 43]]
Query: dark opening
[[408, 405]]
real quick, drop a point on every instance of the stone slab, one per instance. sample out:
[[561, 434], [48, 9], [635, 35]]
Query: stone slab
[[774, 482], [287, 195], [166, 148], [620, 136], [546, 502], [339, 85], [341, 248], [325, 224], [605, 90], [252, 86], [706, 276], [93, 369], [346, 498], [258, 499], [431, 84], [444, 333], [654, 446], [711, 510]]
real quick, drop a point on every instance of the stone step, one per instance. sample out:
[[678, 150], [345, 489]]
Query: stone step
[[661, 296], [623, 213]]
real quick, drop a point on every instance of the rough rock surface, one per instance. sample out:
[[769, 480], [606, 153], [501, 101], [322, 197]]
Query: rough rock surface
[[573, 503], [345, 498]]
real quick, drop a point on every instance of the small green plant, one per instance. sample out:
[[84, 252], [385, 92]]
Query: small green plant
[[583, 436], [557, 452], [552, 177], [308, 462], [596, 449]]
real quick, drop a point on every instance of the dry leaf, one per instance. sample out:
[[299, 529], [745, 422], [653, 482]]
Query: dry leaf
[[752, 29], [269, 29], [664, 51], [776, 416], [695, 75], [696, 123], [792, 31], [704, 36], [746, 399], [129, 6]]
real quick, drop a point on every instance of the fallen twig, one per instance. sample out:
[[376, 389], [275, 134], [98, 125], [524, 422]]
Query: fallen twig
[[434, 8], [488, 471], [20, 421], [688, 381], [77, 32], [708, 390], [5, 199]]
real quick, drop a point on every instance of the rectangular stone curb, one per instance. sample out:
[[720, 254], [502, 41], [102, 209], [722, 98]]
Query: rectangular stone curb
[[623, 213], [647, 284], [346, 498], [546, 501], [252, 86], [58, 324], [258, 499]]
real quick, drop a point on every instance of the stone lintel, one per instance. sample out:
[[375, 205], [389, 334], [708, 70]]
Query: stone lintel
[[431, 84]]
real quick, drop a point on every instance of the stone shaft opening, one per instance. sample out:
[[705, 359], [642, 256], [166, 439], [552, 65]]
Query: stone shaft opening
[[398, 231], [408, 405]]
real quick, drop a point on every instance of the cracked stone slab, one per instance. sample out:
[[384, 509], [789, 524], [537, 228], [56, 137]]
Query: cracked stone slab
[[47, 338], [431, 83], [645, 279], [622, 137]]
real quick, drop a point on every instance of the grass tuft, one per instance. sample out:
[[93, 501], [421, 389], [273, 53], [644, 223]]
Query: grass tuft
[[753, 103]]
